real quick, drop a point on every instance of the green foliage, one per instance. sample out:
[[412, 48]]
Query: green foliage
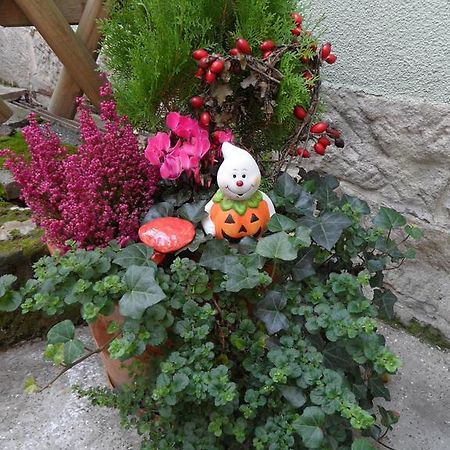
[[267, 344], [148, 46]]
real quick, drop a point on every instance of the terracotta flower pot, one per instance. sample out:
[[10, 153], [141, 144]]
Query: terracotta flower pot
[[117, 372]]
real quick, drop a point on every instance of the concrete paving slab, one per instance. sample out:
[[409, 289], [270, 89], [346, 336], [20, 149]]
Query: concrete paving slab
[[58, 420]]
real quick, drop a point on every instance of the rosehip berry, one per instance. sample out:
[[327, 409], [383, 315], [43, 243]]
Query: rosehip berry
[[300, 112], [267, 46], [297, 18], [197, 102], [324, 141], [333, 133], [296, 31], [243, 46], [199, 73], [204, 62], [267, 54], [308, 75], [331, 59], [205, 119], [339, 142], [210, 77], [199, 54], [325, 50], [234, 52], [319, 127], [319, 149], [303, 153], [217, 66]]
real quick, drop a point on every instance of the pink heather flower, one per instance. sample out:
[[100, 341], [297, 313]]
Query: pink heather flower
[[192, 144], [94, 195]]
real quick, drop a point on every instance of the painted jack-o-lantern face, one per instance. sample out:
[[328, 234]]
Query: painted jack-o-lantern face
[[233, 226]]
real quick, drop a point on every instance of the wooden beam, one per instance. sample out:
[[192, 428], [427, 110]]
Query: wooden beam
[[68, 47], [5, 111], [12, 16], [67, 90]]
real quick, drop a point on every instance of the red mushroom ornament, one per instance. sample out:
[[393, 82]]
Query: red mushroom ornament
[[166, 235]]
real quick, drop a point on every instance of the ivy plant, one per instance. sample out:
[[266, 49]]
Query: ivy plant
[[266, 344]]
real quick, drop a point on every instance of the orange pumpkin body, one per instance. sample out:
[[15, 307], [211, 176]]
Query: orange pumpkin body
[[231, 225]]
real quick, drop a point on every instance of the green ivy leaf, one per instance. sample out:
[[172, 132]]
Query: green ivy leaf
[[378, 388], [199, 239], [336, 357], [388, 418], [269, 311], [385, 302], [308, 426], [278, 222], [304, 267], [357, 205], [326, 198], [375, 265], [9, 300], [303, 204], [163, 209], [362, 444], [194, 212], [414, 231], [294, 396], [216, 256], [327, 228], [61, 332], [135, 255], [287, 187], [240, 277], [73, 349], [388, 218], [303, 236], [277, 246], [145, 291]]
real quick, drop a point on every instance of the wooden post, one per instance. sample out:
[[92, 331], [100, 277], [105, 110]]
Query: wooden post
[[5, 111], [68, 47], [12, 16], [67, 90]]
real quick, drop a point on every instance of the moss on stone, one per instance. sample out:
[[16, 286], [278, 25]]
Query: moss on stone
[[16, 143], [8, 215], [425, 332]]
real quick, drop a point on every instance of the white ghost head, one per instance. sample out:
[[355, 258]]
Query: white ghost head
[[238, 176]]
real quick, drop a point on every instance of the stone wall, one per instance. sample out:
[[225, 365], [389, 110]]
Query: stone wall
[[397, 154], [27, 61]]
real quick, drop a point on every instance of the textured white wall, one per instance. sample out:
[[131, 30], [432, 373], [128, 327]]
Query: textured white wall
[[390, 47]]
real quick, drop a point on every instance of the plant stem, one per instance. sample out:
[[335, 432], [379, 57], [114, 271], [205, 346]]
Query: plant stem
[[78, 361]]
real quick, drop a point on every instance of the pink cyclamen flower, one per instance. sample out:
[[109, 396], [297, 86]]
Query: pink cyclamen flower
[[192, 144]]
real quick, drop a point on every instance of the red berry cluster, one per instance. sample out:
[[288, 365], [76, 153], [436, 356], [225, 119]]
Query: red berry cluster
[[298, 19], [326, 55], [323, 134], [214, 111]]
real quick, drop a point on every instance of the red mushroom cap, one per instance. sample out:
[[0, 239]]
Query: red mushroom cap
[[167, 234]]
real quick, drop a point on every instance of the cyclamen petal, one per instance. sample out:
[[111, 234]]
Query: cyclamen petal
[[157, 147], [171, 168]]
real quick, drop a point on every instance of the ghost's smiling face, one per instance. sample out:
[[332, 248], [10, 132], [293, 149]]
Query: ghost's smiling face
[[238, 176]]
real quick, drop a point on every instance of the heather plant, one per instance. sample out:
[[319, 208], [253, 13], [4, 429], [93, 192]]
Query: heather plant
[[93, 195]]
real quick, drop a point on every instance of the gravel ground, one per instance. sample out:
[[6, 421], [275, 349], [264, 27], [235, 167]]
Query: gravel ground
[[58, 420]]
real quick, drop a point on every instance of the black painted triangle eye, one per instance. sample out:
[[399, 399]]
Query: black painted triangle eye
[[254, 218], [229, 219], [242, 229]]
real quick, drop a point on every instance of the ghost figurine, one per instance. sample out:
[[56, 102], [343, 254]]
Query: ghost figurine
[[238, 208]]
